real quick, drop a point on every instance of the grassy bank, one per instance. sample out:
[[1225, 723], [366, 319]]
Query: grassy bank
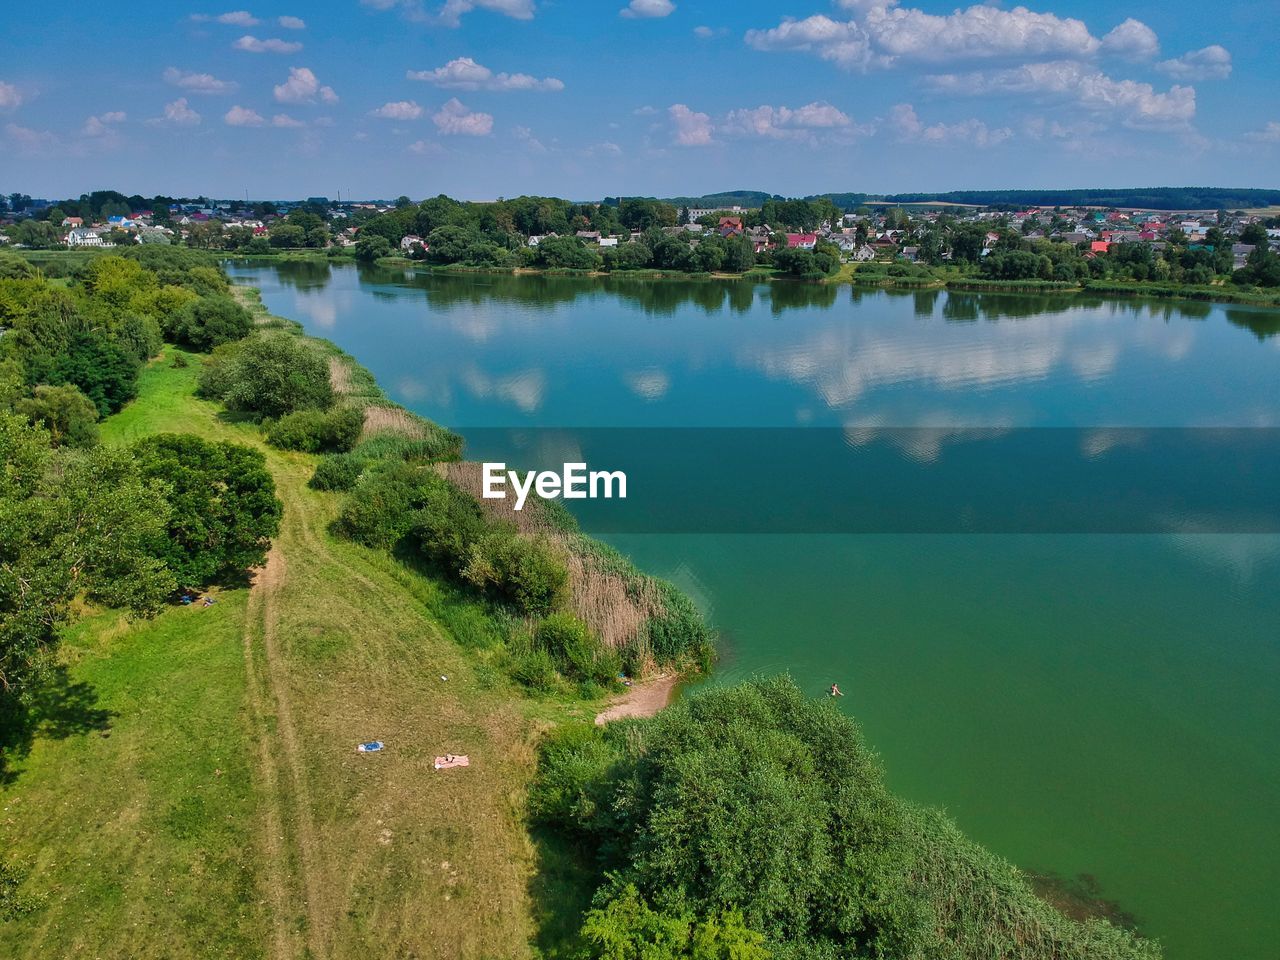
[[196, 790]]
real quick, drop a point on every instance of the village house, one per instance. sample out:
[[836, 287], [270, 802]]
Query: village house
[[802, 241], [72, 222], [83, 237], [410, 243]]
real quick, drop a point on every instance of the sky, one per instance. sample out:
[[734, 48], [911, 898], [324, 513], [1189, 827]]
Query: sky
[[591, 98]]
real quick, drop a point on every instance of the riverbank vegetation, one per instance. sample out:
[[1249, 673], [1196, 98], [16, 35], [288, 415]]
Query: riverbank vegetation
[[754, 821]]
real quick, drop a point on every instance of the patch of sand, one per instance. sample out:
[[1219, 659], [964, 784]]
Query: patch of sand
[[642, 700]]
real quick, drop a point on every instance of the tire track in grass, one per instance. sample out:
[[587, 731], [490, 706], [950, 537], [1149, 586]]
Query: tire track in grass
[[292, 861]]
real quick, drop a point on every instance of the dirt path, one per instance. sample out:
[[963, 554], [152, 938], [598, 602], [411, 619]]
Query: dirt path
[[642, 700], [292, 879]]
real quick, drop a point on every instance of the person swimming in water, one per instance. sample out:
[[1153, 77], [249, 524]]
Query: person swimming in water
[[835, 690]]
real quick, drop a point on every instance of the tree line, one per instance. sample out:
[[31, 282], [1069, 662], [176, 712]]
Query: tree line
[[130, 527]]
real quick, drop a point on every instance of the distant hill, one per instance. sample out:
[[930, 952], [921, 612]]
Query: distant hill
[[1155, 198]]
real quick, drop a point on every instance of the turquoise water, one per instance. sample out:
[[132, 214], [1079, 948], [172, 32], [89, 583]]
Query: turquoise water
[[1081, 704]]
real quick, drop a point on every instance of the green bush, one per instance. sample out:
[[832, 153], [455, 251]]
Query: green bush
[[534, 669], [338, 472], [449, 523], [209, 322], [268, 375], [759, 801], [317, 431], [225, 510], [526, 573], [68, 415], [382, 508], [576, 653]]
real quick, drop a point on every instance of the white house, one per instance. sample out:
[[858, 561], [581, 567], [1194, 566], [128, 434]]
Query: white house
[[409, 243], [81, 237], [608, 241]]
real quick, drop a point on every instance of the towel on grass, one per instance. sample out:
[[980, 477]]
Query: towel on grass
[[373, 746], [450, 760]]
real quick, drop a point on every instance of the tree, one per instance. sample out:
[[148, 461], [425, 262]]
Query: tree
[[68, 415], [287, 235], [209, 322], [224, 508], [71, 522], [104, 372], [268, 375], [566, 253], [371, 247]]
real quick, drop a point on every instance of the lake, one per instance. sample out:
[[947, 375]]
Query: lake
[[1098, 705]]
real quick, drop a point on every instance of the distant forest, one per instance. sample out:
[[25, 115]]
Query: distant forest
[[1154, 198]]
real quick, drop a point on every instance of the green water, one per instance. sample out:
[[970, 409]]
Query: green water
[[1081, 704]]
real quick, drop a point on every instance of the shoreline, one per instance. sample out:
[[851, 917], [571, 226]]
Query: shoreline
[[645, 698]]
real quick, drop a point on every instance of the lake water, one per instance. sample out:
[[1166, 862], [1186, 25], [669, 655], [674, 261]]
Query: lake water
[[1097, 704]]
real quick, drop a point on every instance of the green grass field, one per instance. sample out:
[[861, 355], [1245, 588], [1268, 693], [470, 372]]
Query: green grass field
[[194, 788]]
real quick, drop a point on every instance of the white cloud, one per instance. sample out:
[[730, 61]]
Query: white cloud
[[197, 82], [1127, 101], [908, 126], [703, 32], [251, 44], [28, 140], [648, 9], [398, 110], [842, 42], [284, 120], [1132, 39], [303, 87], [235, 18], [451, 13], [179, 114], [465, 74], [100, 126], [525, 136], [692, 129], [780, 122], [10, 98], [881, 34], [292, 23], [1211, 62], [426, 148], [455, 119], [239, 116], [1268, 134]]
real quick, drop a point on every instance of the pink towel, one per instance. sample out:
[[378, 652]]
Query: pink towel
[[449, 760]]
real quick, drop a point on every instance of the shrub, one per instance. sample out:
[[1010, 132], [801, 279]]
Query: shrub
[[381, 508], [209, 322], [104, 372], [268, 375], [523, 572], [317, 431], [575, 652], [336, 472], [68, 415], [534, 669]]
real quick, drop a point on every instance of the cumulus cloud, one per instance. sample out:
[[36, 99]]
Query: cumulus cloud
[[1127, 101], [525, 136], [197, 82], [426, 148], [1132, 39], [647, 9], [292, 23], [907, 125], [692, 129], [284, 120], [882, 34], [1268, 134], [251, 44], [178, 114], [465, 74], [782, 122], [303, 87], [1211, 62], [10, 98], [100, 126], [235, 18], [455, 119], [239, 116], [842, 42], [398, 110]]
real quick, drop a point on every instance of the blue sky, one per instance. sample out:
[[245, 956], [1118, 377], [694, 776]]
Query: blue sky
[[487, 98]]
